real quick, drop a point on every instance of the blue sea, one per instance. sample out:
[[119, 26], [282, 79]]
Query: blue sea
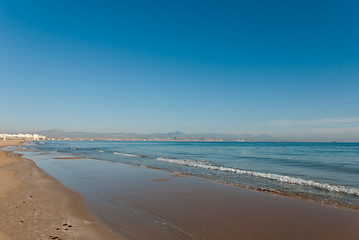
[[324, 172]]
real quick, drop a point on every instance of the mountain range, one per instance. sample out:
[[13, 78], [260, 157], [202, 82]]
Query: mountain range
[[58, 133]]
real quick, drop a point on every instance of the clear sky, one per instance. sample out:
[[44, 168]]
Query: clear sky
[[289, 69]]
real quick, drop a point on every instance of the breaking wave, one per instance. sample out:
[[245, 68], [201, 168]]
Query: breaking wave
[[127, 154], [272, 176]]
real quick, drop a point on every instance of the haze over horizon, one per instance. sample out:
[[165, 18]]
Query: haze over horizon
[[286, 69]]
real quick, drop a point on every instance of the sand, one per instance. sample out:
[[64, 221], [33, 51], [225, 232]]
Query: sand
[[34, 205], [153, 204], [208, 210], [186, 207]]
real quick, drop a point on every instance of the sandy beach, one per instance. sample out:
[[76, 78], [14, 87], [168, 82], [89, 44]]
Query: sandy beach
[[34, 205], [179, 120], [194, 208], [142, 203]]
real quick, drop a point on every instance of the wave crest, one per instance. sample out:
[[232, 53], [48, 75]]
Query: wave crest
[[272, 176], [127, 154]]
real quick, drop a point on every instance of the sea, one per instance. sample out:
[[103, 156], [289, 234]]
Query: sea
[[322, 172]]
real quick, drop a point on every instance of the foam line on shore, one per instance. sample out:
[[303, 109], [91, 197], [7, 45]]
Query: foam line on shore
[[127, 154], [272, 176]]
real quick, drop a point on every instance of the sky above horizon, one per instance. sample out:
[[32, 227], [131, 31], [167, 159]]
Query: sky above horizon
[[289, 69]]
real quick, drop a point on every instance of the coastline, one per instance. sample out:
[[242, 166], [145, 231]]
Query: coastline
[[199, 209], [37, 206], [154, 204]]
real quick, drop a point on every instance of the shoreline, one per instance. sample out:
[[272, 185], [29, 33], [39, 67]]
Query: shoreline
[[37, 206], [153, 204], [199, 209], [273, 192], [339, 191]]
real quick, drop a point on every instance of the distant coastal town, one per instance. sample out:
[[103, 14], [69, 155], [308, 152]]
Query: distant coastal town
[[27, 136], [37, 137], [135, 139], [60, 135]]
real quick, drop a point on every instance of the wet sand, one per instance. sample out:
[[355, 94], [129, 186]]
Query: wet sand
[[141, 203], [208, 210], [34, 205]]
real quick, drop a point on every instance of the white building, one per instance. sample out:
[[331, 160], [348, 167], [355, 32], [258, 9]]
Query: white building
[[28, 137]]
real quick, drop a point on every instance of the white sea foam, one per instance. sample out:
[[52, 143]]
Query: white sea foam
[[127, 154], [272, 176]]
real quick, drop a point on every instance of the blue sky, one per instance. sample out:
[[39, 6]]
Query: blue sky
[[286, 68]]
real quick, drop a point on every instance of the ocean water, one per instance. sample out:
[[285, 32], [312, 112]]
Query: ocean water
[[324, 172]]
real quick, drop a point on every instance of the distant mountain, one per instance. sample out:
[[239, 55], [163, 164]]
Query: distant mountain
[[53, 133], [265, 137], [58, 133]]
